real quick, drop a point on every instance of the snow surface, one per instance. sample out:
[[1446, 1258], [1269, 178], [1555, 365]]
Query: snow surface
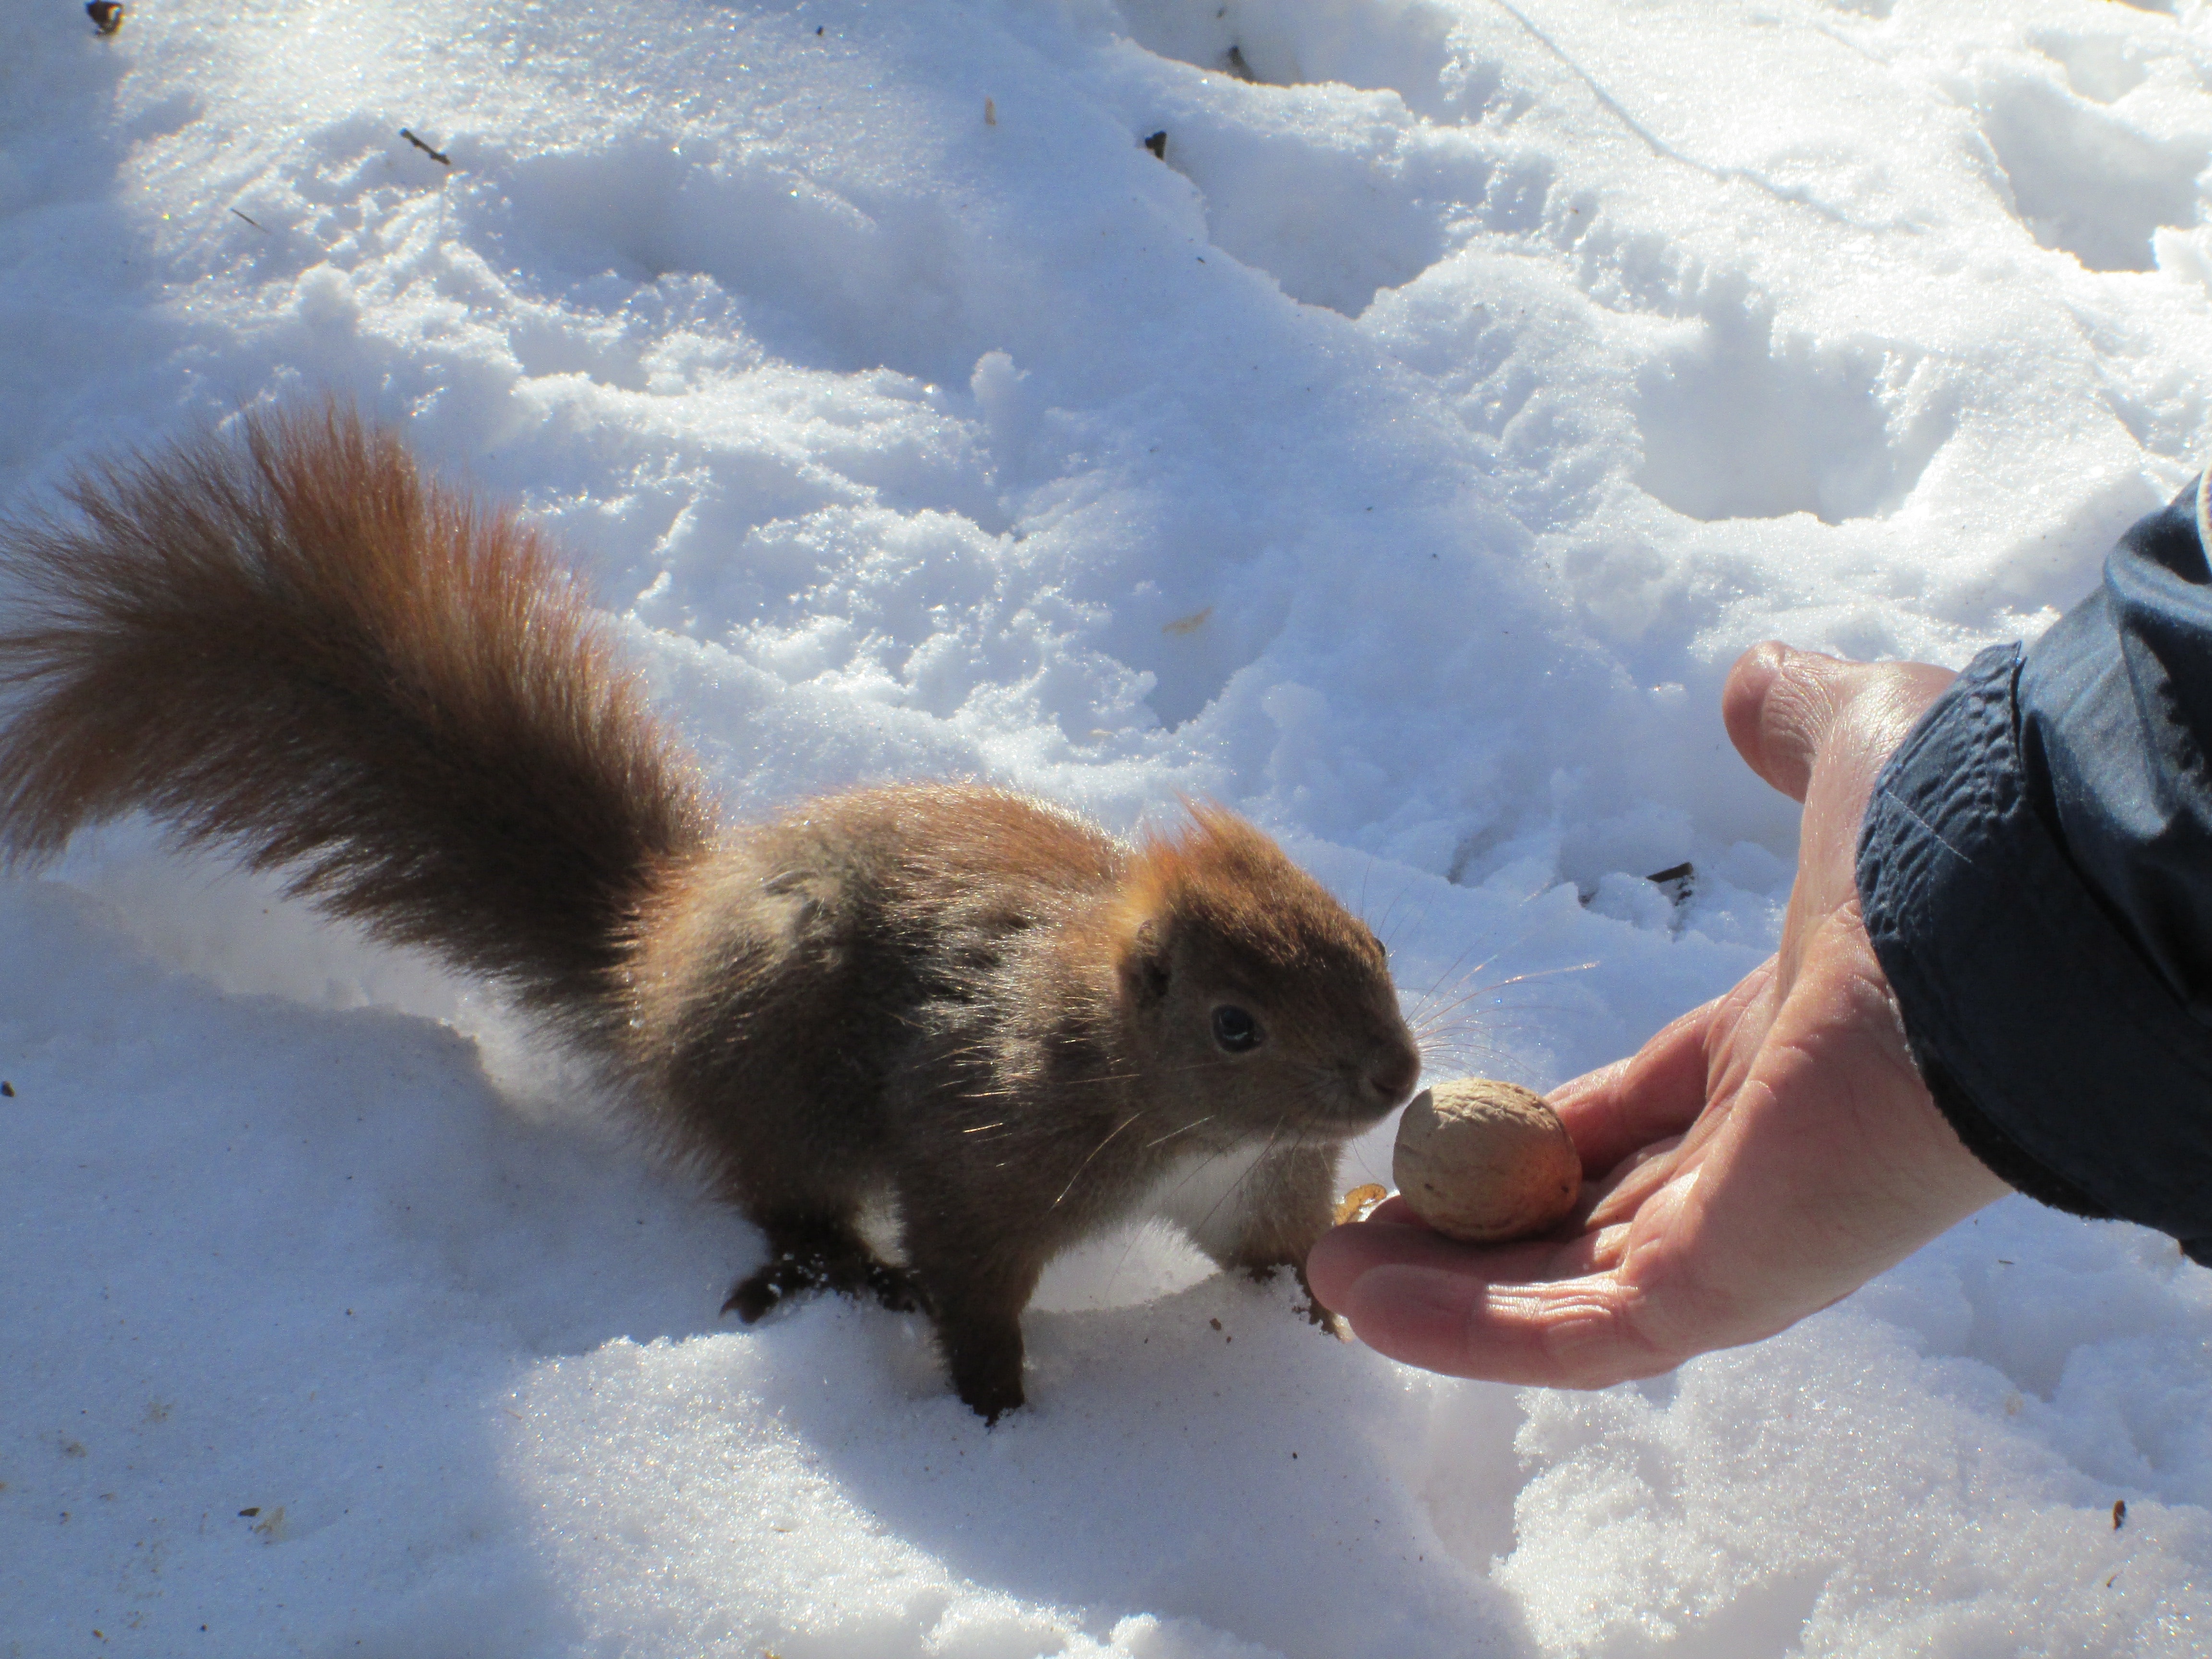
[[1402, 461]]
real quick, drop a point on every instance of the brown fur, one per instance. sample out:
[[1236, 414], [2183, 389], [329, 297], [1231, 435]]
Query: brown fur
[[984, 1009]]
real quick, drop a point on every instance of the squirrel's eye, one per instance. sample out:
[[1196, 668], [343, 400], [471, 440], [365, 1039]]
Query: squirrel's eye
[[1235, 1029]]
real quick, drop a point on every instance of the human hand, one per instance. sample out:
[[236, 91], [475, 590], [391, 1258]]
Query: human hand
[[1759, 1159]]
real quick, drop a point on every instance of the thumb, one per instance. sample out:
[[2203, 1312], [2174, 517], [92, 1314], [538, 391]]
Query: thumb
[[1779, 703]]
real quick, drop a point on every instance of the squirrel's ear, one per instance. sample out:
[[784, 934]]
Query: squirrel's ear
[[1145, 963]]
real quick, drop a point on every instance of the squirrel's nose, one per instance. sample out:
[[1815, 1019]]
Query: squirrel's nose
[[1393, 1076]]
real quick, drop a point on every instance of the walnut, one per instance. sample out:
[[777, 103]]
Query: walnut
[[1484, 1161]]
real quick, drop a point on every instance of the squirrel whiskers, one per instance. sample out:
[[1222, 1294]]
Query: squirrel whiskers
[[296, 648]]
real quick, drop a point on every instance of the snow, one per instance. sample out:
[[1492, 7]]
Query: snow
[[1401, 458]]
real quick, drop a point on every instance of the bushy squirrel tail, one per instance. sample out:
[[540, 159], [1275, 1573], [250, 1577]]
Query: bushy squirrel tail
[[295, 646]]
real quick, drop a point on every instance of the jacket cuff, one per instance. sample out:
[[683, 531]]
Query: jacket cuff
[[2061, 1059]]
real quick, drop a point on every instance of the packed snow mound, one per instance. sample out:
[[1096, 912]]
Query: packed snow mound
[[1398, 446]]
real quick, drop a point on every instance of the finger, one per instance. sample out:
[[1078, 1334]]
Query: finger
[[1777, 704], [1610, 1309], [1393, 1211], [1393, 1236], [1656, 1093], [1634, 1179], [1577, 1332]]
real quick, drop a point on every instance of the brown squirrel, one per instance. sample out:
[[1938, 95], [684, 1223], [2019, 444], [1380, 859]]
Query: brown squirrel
[[297, 648]]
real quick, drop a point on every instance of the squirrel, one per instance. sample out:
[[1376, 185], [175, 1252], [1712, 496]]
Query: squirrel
[[295, 646]]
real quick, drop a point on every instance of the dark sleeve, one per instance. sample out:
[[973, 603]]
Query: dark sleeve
[[2036, 870]]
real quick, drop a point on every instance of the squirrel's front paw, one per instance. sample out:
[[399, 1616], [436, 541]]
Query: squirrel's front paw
[[1319, 1316], [1323, 1320]]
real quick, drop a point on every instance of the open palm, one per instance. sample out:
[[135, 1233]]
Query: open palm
[[1759, 1157]]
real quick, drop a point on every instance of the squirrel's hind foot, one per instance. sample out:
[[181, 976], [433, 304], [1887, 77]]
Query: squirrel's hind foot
[[842, 1265], [752, 1296]]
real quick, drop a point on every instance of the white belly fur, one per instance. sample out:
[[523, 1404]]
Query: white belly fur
[[1206, 1194]]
